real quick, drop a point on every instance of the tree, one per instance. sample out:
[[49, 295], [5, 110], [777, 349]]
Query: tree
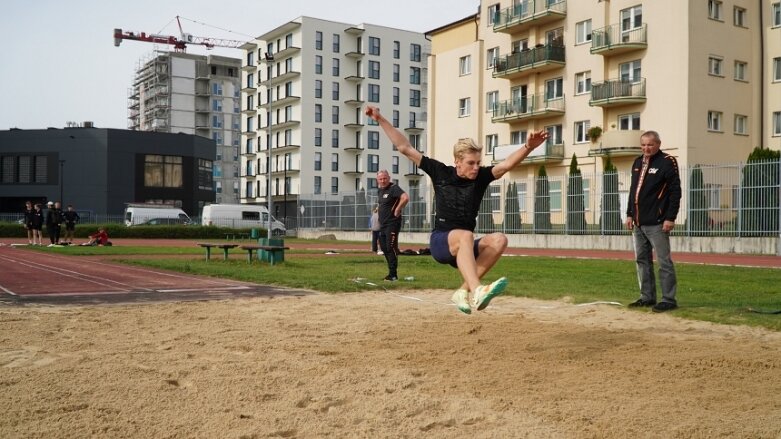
[[576, 205], [542, 222], [611, 203], [759, 193], [512, 209], [698, 207]]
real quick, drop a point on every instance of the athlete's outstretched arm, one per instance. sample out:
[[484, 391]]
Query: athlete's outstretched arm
[[396, 137]]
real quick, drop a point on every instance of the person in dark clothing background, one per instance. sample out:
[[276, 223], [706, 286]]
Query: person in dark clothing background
[[70, 217], [654, 201], [53, 222], [28, 213], [391, 201]]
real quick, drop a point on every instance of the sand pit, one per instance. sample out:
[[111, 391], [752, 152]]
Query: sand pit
[[380, 365]]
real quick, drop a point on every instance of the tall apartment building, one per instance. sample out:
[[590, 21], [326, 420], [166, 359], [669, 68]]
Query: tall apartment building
[[304, 86], [706, 74], [193, 94]]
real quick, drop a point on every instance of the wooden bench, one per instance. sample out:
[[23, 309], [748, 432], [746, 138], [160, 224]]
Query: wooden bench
[[274, 251], [225, 247]]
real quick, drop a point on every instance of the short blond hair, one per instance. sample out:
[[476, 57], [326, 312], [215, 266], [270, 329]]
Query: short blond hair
[[465, 146]]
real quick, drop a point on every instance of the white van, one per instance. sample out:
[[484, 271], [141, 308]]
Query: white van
[[240, 216], [136, 214]]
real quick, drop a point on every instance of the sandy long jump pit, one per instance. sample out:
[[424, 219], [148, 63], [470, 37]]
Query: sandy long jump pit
[[381, 365]]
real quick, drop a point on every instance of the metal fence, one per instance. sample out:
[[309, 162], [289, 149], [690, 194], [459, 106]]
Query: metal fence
[[717, 200]]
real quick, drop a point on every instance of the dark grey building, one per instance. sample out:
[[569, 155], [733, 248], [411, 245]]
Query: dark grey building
[[100, 170]]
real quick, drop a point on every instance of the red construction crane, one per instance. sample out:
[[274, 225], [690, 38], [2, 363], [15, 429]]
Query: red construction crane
[[180, 43]]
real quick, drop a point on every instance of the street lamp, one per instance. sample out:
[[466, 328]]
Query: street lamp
[[269, 59]]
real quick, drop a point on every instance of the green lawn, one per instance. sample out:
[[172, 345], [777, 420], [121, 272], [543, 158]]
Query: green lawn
[[712, 293]]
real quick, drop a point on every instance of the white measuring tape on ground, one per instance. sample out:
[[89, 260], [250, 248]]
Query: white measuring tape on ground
[[364, 281]]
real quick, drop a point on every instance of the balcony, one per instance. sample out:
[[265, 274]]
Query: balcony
[[354, 148], [356, 101], [284, 77], [414, 127], [286, 52], [286, 124], [286, 148], [538, 59], [249, 67], [354, 125], [529, 13], [617, 92], [355, 54], [353, 172], [528, 108], [285, 100], [617, 143], [611, 40], [248, 89], [354, 78], [249, 111], [545, 153]]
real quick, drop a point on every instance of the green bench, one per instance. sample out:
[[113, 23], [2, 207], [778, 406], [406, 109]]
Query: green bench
[[225, 247], [276, 252]]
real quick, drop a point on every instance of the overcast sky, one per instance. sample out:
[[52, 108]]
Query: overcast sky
[[60, 63]]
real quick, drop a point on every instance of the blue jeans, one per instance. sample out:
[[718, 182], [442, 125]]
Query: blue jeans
[[647, 240]]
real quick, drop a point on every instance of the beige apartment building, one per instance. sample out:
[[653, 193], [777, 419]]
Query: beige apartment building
[[706, 74]]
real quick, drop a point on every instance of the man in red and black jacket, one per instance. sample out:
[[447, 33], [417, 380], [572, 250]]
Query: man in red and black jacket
[[654, 201]]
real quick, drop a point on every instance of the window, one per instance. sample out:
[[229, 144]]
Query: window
[[517, 137], [335, 67], [554, 134], [555, 195], [374, 93], [163, 171], [414, 52], [714, 121], [374, 140], [740, 70], [777, 123], [741, 124], [288, 40], [335, 91], [739, 17], [336, 43], [318, 113], [396, 96], [465, 65], [714, 9], [491, 101], [250, 80], [414, 98], [630, 71], [491, 142], [715, 65], [250, 58], [288, 65], [319, 40], [318, 64], [776, 69], [250, 102], [396, 50], [318, 184], [318, 137], [250, 149], [395, 164], [374, 69], [373, 162], [555, 37], [318, 88], [395, 118], [414, 75], [334, 138], [776, 14], [582, 82], [374, 46], [493, 13], [288, 89], [464, 107], [491, 55], [629, 122], [334, 185], [521, 187], [581, 131], [335, 162], [217, 105], [396, 74], [335, 114], [583, 32], [318, 161], [554, 88], [631, 18]]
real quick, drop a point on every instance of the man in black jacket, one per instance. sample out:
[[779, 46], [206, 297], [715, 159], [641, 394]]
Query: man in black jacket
[[391, 200], [654, 200]]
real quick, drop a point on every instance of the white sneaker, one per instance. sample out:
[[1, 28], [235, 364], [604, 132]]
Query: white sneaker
[[50, 245], [379, 252], [484, 293], [460, 298]]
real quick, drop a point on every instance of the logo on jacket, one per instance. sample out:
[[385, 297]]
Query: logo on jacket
[[385, 195], [653, 170]]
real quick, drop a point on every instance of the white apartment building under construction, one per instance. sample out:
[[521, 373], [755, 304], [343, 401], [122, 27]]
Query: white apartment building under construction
[[193, 94], [304, 86]]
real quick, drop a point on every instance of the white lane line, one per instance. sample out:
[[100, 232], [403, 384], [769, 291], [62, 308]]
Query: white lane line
[[73, 275]]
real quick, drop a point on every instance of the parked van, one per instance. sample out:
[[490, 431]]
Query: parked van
[[136, 214], [240, 216]]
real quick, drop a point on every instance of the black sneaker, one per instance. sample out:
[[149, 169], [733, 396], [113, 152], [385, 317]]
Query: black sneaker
[[664, 306], [390, 278], [639, 303]]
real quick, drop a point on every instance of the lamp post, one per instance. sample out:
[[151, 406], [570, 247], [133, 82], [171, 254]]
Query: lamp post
[[62, 180], [269, 59]]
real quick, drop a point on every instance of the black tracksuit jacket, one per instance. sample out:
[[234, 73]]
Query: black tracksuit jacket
[[659, 198]]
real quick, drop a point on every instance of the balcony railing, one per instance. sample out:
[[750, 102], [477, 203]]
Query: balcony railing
[[540, 58], [616, 92], [527, 108], [611, 40], [617, 143], [546, 152], [527, 12]]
